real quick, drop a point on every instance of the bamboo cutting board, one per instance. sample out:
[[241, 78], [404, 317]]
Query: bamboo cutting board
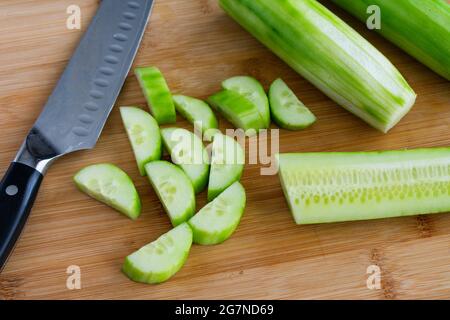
[[197, 46]]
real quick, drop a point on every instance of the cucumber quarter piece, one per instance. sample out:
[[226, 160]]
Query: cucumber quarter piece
[[110, 185], [217, 221], [331, 187], [227, 164], [252, 90], [187, 151], [288, 111], [174, 190], [238, 110], [143, 133], [161, 259], [157, 93]]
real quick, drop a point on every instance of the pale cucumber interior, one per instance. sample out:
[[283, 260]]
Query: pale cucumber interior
[[174, 189], [143, 133], [217, 221], [330, 187], [161, 259], [112, 186]]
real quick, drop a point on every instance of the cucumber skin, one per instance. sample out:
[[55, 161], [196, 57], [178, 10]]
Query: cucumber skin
[[330, 54], [421, 28]]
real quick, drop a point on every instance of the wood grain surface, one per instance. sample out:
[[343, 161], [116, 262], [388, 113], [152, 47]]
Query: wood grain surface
[[197, 46]]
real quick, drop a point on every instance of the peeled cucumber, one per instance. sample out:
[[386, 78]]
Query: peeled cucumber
[[332, 187]]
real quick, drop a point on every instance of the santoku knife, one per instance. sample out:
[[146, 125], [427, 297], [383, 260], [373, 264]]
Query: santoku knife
[[76, 111]]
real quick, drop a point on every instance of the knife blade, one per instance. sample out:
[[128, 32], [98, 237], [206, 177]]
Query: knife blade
[[76, 111]]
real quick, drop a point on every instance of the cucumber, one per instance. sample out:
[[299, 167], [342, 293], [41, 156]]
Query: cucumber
[[111, 185], [187, 151], [216, 222], [252, 90], [288, 111], [227, 164], [157, 93], [174, 190], [196, 111], [238, 110], [143, 133], [161, 259], [332, 187]]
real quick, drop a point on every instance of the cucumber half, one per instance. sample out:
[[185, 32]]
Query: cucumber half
[[288, 111], [227, 164], [252, 90], [331, 187], [157, 93], [110, 185], [174, 190], [144, 136], [161, 259], [217, 221], [188, 152]]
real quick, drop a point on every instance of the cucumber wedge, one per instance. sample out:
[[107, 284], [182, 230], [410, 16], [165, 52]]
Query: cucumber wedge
[[288, 111], [196, 111], [331, 187], [174, 190], [161, 259], [144, 136], [110, 185], [227, 164], [216, 222], [157, 93], [252, 90], [187, 151], [238, 110]]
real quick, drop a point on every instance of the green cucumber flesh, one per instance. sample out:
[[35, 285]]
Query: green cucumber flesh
[[217, 221], [174, 190], [143, 133], [227, 164], [157, 93], [110, 185], [187, 151], [332, 187], [252, 90], [161, 259], [288, 111]]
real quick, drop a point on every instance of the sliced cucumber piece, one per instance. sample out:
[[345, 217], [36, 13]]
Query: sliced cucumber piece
[[110, 185], [161, 259], [187, 151], [227, 164], [174, 190], [252, 90], [217, 221], [330, 187], [157, 93], [143, 133], [288, 111], [238, 110]]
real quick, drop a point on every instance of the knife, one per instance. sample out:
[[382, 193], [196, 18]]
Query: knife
[[76, 111]]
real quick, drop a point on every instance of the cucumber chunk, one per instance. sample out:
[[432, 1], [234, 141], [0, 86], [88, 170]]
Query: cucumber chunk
[[238, 110], [227, 164], [217, 221], [110, 185], [157, 93], [252, 90], [331, 187], [161, 259], [187, 151], [174, 190], [288, 111], [143, 133], [196, 111]]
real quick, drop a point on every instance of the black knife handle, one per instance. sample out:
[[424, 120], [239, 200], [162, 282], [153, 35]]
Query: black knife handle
[[18, 190]]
